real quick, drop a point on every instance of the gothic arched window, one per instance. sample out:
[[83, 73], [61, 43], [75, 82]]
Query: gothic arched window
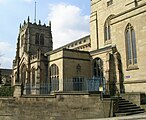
[[54, 77], [97, 68], [130, 45], [107, 28]]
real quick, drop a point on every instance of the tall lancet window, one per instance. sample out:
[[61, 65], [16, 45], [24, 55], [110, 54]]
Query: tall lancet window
[[97, 68], [42, 39], [37, 38], [131, 51], [107, 29]]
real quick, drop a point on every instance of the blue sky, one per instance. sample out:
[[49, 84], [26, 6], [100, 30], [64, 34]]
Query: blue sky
[[70, 21]]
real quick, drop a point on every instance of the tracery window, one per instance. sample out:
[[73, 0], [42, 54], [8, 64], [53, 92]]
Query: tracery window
[[39, 39], [131, 51]]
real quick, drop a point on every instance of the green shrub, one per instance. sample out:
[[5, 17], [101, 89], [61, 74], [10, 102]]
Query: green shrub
[[6, 91]]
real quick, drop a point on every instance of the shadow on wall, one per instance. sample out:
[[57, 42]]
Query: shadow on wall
[[121, 75], [116, 82]]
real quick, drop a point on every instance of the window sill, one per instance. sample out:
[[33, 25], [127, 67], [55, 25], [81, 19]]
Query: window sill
[[132, 67], [107, 42]]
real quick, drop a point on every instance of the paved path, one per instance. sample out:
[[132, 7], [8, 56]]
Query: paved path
[[131, 117]]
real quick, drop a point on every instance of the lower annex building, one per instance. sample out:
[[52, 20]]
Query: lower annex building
[[112, 56]]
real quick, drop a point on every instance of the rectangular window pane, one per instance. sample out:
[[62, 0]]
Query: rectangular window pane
[[134, 47]]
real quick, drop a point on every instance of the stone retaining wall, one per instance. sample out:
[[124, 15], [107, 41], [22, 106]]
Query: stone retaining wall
[[55, 107]]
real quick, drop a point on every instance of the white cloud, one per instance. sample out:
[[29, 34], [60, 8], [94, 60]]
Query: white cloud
[[6, 50], [5, 47], [68, 24], [5, 62]]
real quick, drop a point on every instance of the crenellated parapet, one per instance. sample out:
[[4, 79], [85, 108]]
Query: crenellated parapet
[[27, 23]]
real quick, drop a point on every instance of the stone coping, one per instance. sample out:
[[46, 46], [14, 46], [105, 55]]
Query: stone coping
[[71, 93], [38, 96], [128, 93], [54, 94], [6, 98]]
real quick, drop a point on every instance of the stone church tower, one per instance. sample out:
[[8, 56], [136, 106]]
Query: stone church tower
[[30, 63]]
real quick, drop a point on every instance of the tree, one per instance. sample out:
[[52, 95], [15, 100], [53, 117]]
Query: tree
[[0, 71]]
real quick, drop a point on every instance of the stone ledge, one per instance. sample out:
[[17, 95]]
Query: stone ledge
[[71, 93], [38, 96]]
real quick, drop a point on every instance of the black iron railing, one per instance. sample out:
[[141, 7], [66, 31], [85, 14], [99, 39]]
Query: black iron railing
[[65, 85]]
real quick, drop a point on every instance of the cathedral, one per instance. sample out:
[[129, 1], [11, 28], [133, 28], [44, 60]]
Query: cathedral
[[111, 59]]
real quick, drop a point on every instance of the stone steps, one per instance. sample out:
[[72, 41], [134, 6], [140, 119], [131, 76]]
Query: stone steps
[[127, 108], [128, 113]]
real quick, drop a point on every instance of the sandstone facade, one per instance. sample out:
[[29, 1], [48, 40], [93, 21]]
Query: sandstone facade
[[113, 55]]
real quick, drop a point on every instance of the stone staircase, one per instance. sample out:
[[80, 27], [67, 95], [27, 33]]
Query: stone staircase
[[124, 108]]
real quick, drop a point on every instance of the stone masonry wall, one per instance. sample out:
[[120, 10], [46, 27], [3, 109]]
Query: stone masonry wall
[[55, 107]]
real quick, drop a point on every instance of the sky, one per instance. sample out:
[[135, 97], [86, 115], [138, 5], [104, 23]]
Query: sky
[[69, 19]]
